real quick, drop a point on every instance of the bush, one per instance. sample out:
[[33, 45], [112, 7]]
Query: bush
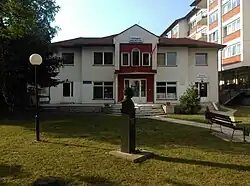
[[178, 109], [190, 101]]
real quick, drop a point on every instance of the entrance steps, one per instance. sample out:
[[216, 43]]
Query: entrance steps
[[142, 110]]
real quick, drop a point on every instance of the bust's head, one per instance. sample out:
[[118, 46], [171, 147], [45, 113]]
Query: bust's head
[[128, 92]]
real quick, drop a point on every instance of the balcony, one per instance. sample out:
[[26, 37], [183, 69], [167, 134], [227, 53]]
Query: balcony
[[202, 36]]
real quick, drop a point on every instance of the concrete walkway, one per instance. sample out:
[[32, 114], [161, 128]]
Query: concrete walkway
[[226, 135]]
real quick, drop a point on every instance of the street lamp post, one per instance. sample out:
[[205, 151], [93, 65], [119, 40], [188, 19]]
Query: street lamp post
[[36, 59]]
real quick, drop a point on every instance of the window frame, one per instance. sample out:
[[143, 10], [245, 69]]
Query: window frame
[[149, 56], [122, 64], [103, 59], [215, 13], [102, 85], [132, 54], [163, 58], [71, 89], [232, 6], [211, 2], [205, 58], [229, 27], [228, 51], [214, 35], [166, 86], [166, 60], [68, 64]]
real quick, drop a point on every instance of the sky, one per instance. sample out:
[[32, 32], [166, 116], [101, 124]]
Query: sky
[[99, 18]]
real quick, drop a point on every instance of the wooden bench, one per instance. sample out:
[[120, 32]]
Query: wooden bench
[[226, 121]]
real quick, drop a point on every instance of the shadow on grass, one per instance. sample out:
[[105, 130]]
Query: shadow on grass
[[51, 181], [95, 180], [203, 163], [7, 170], [178, 183], [75, 145], [150, 133]]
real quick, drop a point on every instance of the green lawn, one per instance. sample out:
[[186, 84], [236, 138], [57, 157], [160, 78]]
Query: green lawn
[[196, 117], [243, 114], [75, 149]]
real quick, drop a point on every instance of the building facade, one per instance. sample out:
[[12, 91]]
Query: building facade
[[227, 24], [158, 69]]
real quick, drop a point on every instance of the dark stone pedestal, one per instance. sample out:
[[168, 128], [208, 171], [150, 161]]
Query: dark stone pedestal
[[128, 136]]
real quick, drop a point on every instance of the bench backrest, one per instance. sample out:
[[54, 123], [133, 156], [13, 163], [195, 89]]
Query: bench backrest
[[219, 119]]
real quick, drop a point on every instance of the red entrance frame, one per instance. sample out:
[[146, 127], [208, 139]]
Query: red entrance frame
[[150, 84]]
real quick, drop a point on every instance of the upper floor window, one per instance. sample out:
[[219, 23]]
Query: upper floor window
[[103, 58], [229, 5], [68, 58], [125, 59], [161, 59], [213, 17], [201, 59], [168, 59], [211, 1], [136, 57], [213, 37], [232, 50], [146, 59], [231, 27]]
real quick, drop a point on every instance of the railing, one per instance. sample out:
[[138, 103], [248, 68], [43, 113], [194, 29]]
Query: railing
[[229, 92]]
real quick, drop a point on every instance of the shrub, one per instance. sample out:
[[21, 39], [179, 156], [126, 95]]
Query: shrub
[[178, 109], [190, 101]]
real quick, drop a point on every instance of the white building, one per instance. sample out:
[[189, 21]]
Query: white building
[[158, 69]]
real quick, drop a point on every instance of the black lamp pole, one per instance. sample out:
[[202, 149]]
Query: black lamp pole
[[37, 109]]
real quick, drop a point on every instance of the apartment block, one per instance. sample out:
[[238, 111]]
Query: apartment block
[[224, 22]]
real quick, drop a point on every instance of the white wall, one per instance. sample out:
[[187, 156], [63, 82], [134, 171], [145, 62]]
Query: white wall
[[245, 4], [70, 73], [178, 73], [211, 70], [186, 72], [183, 28], [93, 73]]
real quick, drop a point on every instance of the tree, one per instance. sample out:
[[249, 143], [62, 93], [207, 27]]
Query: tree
[[190, 101], [25, 28]]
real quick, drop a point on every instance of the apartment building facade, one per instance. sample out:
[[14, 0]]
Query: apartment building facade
[[158, 69], [227, 24]]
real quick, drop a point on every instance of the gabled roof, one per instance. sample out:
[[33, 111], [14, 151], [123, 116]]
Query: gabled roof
[[186, 42], [189, 14], [139, 27]]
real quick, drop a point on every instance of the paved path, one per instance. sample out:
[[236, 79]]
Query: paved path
[[227, 132]]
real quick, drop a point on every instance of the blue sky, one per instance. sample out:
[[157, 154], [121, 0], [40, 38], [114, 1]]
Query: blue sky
[[97, 18]]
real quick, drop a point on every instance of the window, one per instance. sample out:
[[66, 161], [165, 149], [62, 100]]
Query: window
[[213, 37], [103, 90], [200, 59], [98, 58], [202, 89], [232, 50], [229, 5], [213, 17], [171, 58], [103, 58], [136, 57], [145, 59], [108, 58], [125, 59], [68, 89], [211, 1], [166, 90], [68, 58], [161, 59], [231, 27]]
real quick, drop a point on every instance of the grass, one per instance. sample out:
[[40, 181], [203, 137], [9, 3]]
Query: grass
[[195, 117], [75, 149], [242, 114]]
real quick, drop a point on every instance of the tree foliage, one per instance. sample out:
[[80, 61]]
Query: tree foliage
[[25, 28], [190, 101]]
